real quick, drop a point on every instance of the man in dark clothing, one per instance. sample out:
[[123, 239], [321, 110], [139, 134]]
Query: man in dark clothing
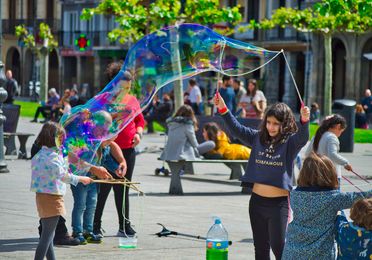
[[367, 104], [160, 112], [11, 86], [227, 93], [74, 98]]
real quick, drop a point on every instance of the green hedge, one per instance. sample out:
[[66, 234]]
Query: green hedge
[[360, 135]]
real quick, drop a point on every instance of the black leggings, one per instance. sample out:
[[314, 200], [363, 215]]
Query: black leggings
[[45, 246], [104, 191], [269, 217]]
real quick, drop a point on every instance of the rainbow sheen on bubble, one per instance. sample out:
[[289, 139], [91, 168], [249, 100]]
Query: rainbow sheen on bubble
[[160, 58]]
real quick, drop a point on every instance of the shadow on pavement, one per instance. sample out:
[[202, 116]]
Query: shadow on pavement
[[21, 244], [160, 194], [246, 240]]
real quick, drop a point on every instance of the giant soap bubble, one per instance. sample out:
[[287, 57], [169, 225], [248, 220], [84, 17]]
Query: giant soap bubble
[[170, 54]]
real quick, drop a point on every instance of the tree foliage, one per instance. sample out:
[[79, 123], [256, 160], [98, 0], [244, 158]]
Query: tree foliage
[[28, 38], [326, 17], [135, 19]]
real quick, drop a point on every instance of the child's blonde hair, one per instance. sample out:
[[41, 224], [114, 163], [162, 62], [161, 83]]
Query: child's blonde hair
[[361, 213]]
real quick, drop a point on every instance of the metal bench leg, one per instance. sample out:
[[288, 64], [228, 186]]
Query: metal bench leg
[[236, 170], [10, 145], [22, 146], [189, 168], [175, 187]]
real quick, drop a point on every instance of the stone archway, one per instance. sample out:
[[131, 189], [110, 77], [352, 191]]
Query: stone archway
[[13, 63], [338, 69], [366, 66]]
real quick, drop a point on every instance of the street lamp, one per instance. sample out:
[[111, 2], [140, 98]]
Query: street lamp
[[3, 96]]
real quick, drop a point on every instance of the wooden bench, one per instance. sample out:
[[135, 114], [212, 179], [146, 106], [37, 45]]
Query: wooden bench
[[185, 167], [12, 112], [179, 168]]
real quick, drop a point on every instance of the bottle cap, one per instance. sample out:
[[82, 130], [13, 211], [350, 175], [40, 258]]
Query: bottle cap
[[217, 221]]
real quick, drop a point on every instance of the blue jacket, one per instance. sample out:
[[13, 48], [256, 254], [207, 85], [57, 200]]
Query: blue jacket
[[311, 234], [268, 164], [353, 242]]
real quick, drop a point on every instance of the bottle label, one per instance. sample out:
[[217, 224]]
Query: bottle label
[[217, 244]]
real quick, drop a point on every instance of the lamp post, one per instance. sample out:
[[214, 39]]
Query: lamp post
[[3, 96]]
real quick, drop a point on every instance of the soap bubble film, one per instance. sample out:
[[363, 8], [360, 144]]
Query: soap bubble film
[[173, 53]]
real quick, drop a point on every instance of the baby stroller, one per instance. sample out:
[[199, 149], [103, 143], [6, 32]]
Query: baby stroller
[[163, 170]]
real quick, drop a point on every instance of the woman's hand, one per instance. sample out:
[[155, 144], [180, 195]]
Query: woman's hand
[[136, 140], [122, 169], [305, 114], [100, 172], [218, 101]]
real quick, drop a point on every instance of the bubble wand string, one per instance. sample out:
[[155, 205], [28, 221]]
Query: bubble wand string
[[351, 183], [293, 79]]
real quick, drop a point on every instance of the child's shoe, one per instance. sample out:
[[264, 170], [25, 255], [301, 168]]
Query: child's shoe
[[92, 238], [80, 237]]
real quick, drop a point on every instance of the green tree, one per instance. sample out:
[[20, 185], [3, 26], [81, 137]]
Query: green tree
[[327, 18], [41, 50], [137, 18]]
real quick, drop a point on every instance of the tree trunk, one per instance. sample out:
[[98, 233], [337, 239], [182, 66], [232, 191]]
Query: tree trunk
[[44, 64], [176, 66], [328, 74]]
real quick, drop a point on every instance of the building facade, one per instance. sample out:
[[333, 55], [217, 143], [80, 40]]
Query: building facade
[[15, 55], [70, 65]]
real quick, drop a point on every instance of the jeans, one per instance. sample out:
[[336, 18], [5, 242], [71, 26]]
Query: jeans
[[85, 202]]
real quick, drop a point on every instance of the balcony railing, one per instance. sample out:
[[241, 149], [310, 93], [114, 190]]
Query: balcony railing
[[10, 24], [97, 38]]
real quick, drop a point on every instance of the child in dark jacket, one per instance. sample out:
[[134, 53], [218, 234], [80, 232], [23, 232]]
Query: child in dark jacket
[[315, 203], [354, 239], [270, 170]]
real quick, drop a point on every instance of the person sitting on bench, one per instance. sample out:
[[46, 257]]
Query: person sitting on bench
[[182, 143], [224, 149], [46, 109], [160, 112]]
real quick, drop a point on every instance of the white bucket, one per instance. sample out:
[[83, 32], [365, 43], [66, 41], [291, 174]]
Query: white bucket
[[128, 242]]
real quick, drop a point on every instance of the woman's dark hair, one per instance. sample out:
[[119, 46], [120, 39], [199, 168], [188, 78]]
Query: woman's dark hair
[[328, 123], [113, 69], [318, 171], [49, 133], [253, 93], [192, 82], [284, 115], [187, 112], [212, 131], [361, 213]]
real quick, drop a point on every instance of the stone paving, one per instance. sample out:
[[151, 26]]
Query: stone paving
[[209, 193]]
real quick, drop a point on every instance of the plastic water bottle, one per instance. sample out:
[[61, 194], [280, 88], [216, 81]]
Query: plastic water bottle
[[217, 242]]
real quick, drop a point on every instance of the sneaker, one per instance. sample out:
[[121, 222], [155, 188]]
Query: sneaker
[[66, 241], [81, 238], [92, 238], [33, 121], [129, 232], [99, 232]]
